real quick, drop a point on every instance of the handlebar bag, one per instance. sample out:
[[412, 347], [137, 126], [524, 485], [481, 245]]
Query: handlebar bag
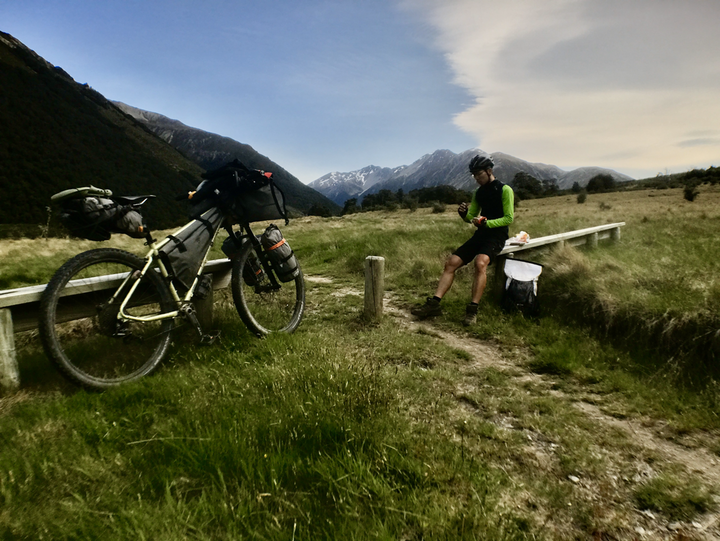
[[248, 195], [262, 204], [184, 253]]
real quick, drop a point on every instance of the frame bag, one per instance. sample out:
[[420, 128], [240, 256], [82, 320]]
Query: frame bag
[[184, 254], [521, 287]]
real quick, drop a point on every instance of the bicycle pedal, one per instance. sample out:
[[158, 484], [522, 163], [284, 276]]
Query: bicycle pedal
[[209, 339]]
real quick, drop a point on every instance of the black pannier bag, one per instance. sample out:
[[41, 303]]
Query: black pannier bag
[[183, 254], [91, 213], [521, 287], [281, 256], [247, 195]]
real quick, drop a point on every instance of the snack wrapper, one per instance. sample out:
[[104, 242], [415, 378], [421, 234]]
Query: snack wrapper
[[519, 239]]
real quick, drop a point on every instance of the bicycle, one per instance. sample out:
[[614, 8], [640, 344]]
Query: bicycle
[[107, 315]]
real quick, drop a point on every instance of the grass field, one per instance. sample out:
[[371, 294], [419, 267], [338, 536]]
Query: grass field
[[572, 426]]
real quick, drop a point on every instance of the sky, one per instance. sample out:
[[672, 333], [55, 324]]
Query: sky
[[336, 85]]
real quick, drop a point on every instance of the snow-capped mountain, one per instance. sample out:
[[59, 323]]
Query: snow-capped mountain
[[444, 167], [340, 187]]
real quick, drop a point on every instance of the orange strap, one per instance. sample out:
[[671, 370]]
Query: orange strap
[[277, 245]]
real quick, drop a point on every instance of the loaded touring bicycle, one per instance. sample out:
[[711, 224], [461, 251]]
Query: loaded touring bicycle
[[106, 316]]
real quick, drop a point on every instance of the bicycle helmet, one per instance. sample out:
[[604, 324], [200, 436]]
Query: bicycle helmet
[[480, 163]]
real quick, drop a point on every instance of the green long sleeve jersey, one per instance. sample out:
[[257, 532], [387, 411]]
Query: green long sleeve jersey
[[495, 201]]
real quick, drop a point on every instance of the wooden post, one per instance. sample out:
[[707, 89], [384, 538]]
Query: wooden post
[[9, 375], [374, 287], [615, 234]]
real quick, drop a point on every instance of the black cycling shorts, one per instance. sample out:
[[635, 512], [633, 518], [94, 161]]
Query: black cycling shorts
[[480, 243]]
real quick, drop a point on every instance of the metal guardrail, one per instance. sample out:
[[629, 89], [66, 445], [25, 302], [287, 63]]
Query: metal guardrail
[[24, 302], [19, 307]]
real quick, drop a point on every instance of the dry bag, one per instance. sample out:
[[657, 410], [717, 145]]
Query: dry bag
[[280, 254], [92, 213]]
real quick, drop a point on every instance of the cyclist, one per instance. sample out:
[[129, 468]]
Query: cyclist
[[491, 211]]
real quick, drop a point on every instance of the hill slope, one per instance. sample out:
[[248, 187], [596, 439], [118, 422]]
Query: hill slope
[[210, 151], [58, 134]]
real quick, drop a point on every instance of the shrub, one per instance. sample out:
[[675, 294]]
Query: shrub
[[581, 198], [690, 192], [438, 207]]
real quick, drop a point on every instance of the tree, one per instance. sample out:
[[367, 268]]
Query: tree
[[526, 186], [601, 183], [350, 207], [319, 210], [576, 187], [550, 187]]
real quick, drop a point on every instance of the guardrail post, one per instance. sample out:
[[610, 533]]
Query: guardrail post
[[615, 234], [374, 287], [592, 240], [9, 375]]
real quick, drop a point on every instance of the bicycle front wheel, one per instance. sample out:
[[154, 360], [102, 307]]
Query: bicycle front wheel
[[265, 308], [80, 324]]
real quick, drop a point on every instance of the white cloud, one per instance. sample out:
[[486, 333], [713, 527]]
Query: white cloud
[[626, 85]]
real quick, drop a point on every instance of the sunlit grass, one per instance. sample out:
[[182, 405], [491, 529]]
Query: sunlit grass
[[351, 430]]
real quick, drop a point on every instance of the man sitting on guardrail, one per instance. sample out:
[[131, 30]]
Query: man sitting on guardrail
[[491, 211]]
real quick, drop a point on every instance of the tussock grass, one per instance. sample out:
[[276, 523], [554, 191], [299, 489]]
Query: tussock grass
[[350, 430]]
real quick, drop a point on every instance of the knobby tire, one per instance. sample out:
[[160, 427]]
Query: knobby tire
[[82, 335], [263, 310]]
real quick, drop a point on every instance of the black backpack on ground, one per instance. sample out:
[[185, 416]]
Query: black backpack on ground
[[521, 287]]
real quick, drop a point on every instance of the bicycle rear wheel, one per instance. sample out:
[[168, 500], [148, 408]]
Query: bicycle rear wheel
[[265, 308], [79, 325]]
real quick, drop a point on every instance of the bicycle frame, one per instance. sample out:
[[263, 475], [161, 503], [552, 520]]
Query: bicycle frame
[[153, 258]]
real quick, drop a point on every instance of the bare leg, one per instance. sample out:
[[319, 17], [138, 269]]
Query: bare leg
[[481, 264], [452, 264]]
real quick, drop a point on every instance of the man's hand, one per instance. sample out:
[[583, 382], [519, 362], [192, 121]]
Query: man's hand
[[462, 210], [479, 222]]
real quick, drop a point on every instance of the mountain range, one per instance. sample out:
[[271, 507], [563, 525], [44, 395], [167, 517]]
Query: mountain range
[[57, 134], [211, 151], [446, 167]]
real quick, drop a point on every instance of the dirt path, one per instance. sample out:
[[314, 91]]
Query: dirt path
[[695, 460], [645, 435]]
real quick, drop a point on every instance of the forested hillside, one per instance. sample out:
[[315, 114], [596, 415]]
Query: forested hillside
[[57, 134], [210, 151]]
